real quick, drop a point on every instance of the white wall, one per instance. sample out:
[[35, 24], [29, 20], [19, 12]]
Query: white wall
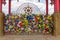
[[41, 5]]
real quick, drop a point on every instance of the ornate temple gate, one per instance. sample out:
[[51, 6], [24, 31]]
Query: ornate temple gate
[[56, 14]]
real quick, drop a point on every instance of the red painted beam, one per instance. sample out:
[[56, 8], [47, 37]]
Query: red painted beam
[[59, 5], [0, 5], [46, 7], [56, 5], [9, 9]]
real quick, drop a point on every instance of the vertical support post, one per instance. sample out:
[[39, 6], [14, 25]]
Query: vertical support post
[[57, 17], [2, 16], [59, 5], [56, 5], [46, 7], [9, 9], [1, 19], [0, 5]]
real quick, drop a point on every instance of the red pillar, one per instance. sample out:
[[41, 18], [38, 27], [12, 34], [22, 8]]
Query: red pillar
[[9, 9], [0, 5], [46, 7], [56, 5], [59, 5]]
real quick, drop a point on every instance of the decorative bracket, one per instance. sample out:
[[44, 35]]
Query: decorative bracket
[[4, 2]]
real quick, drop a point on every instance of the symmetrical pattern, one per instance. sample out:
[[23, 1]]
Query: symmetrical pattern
[[28, 20], [28, 23], [27, 8]]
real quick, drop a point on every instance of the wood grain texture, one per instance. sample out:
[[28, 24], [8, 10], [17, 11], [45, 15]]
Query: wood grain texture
[[57, 23], [1, 23]]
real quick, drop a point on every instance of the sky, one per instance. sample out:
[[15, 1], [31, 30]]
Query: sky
[[41, 5]]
